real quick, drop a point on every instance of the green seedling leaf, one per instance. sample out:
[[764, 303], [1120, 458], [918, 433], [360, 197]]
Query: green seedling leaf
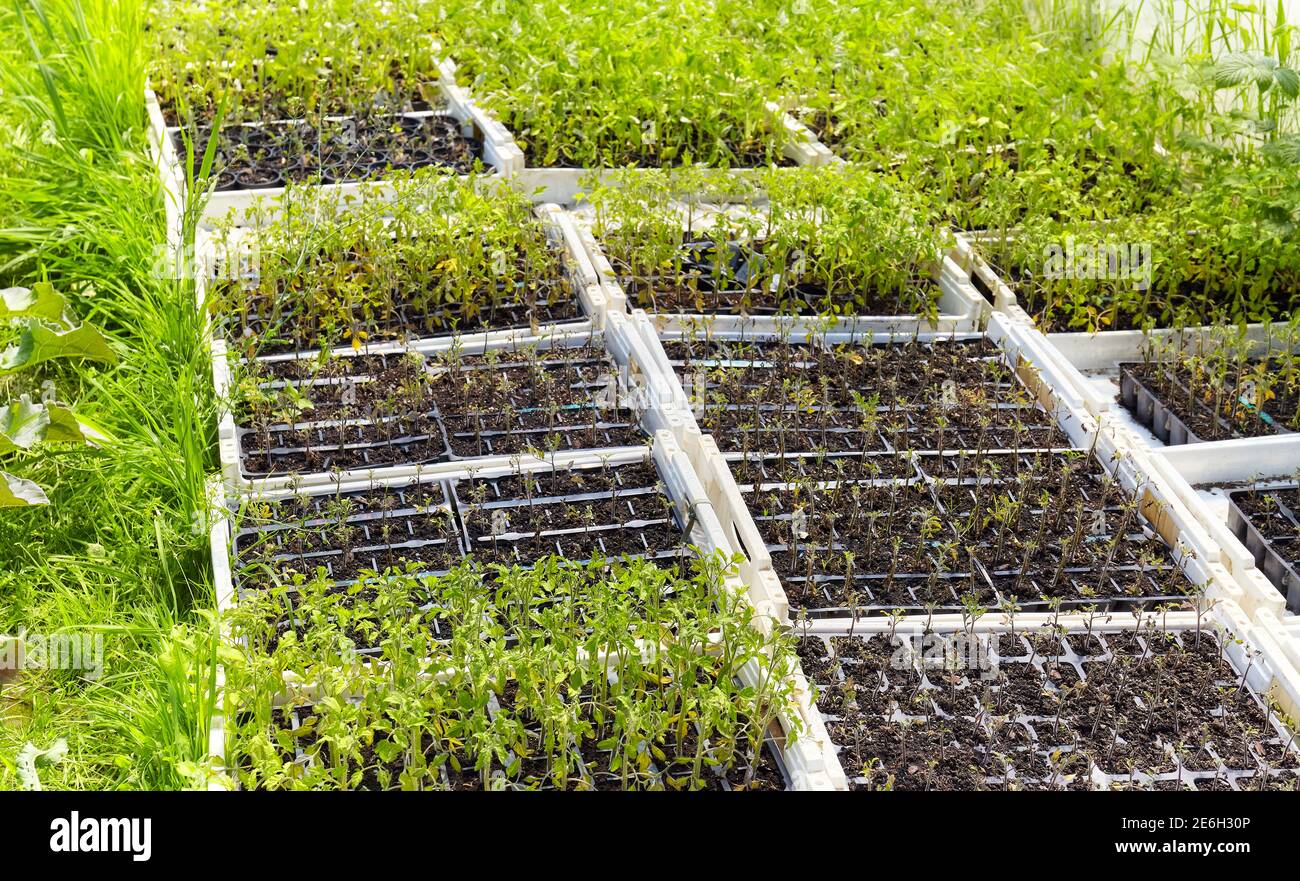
[[42, 343], [387, 751], [1265, 71], [1288, 81], [1286, 148], [64, 426], [42, 301], [18, 492]]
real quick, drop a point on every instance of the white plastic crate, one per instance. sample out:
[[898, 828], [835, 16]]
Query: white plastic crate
[[960, 306], [966, 255], [500, 154], [806, 758], [1090, 361], [1195, 475], [1024, 348], [1164, 509], [219, 519], [1093, 362], [1284, 634]]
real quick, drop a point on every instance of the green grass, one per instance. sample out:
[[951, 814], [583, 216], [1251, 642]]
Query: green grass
[[117, 551]]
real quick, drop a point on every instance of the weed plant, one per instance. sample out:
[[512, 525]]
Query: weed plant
[[120, 551]]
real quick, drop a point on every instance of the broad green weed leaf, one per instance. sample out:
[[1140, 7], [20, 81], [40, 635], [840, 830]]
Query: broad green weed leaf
[[22, 425], [41, 301], [42, 343], [18, 492], [67, 427]]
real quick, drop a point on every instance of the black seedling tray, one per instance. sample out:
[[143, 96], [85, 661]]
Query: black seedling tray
[[262, 155], [1131, 581], [771, 422], [423, 431], [531, 771], [355, 452], [556, 302], [540, 515], [1262, 541], [635, 519], [258, 328], [705, 263], [1150, 411], [421, 527]]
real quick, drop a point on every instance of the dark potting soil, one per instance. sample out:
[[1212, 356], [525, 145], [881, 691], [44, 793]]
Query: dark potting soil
[[1120, 710], [909, 545], [377, 410], [1220, 411], [860, 510], [254, 156], [1044, 535], [733, 278]]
